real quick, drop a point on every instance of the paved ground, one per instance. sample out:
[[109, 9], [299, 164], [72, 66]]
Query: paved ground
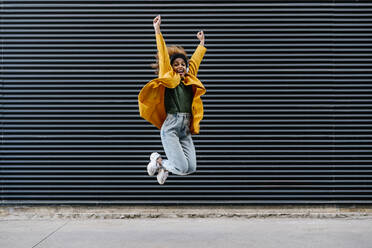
[[354, 232]]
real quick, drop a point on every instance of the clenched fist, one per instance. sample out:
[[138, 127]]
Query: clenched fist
[[201, 37], [156, 23]]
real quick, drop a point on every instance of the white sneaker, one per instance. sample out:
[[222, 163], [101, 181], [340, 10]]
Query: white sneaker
[[162, 175], [153, 166]]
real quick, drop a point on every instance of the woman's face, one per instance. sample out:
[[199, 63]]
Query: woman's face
[[179, 66]]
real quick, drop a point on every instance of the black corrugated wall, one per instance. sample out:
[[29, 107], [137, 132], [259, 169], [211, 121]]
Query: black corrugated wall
[[287, 109]]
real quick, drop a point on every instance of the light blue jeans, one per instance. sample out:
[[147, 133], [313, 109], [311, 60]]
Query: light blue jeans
[[177, 143]]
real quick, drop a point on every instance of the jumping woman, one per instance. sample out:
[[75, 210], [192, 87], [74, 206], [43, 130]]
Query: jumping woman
[[172, 103]]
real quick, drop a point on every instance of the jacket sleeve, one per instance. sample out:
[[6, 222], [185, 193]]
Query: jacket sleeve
[[164, 61], [196, 59]]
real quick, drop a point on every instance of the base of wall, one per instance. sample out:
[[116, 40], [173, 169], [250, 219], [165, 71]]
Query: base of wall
[[125, 212]]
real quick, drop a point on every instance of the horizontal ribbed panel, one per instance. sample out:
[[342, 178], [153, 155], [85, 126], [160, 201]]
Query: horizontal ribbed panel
[[287, 109]]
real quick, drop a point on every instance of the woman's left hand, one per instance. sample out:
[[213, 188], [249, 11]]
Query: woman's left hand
[[200, 36]]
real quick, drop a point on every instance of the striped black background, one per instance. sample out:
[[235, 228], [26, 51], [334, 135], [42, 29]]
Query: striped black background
[[287, 109]]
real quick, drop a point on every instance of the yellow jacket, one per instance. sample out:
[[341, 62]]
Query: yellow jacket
[[151, 97]]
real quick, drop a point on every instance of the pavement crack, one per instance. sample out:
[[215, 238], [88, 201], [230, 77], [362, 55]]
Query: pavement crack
[[50, 234]]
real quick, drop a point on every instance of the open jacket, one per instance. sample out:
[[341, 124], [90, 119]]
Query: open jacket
[[151, 97]]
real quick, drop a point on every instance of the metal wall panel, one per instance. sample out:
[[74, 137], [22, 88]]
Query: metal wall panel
[[287, 110]]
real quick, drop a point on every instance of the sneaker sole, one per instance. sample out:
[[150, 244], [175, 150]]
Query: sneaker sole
[[149, 171]]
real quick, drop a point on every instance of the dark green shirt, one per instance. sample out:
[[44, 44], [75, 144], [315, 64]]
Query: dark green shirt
[[179, 99]]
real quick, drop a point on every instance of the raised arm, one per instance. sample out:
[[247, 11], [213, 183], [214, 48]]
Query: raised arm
[[164, 61], [198, 55]]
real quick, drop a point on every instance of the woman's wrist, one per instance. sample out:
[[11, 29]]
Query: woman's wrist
[[202, 43]]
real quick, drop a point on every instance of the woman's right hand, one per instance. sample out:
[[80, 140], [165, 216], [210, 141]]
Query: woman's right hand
[[157, 22]]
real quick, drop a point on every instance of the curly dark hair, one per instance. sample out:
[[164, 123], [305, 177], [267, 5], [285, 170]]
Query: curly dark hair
[[171, 51]]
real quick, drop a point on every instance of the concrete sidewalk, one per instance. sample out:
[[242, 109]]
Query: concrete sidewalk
[[185, 226], [355, 232]]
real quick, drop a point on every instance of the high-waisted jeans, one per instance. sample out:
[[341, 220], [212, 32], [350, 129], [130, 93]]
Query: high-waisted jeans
[[177, 143]]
